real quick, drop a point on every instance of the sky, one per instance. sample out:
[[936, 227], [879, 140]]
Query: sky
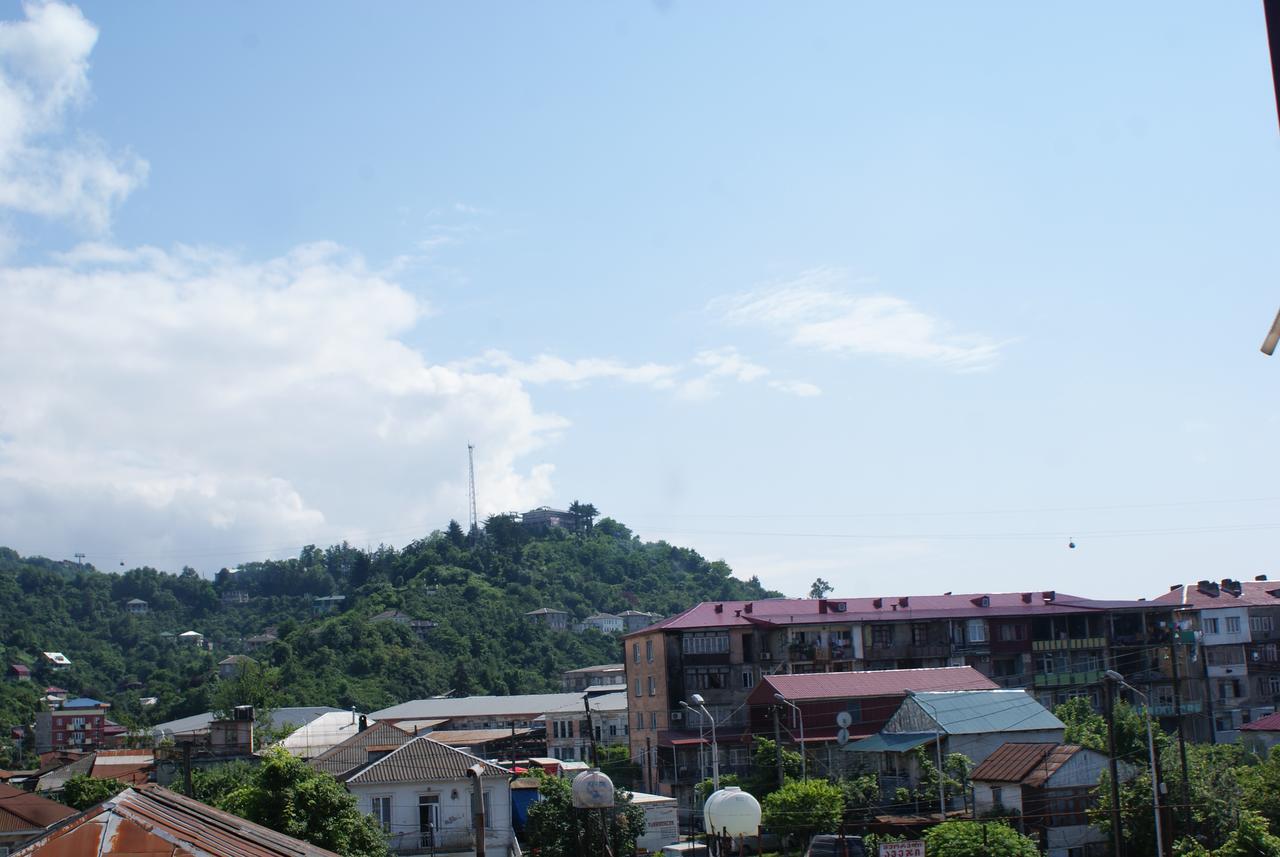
[[907, 297]]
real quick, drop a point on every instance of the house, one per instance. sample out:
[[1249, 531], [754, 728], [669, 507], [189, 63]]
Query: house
[[545, 518], [59, 768], [55, 660], [136, 607], [1049, 788], [973, 722], [230, 666], [367, 745], [1049, 642], [191, 638], [24, 816], [1236, 625], [55, 695], [420, 627], [153, 820], [18, 672], [605, 623], [570, 733], [422, 794], [1261, 735], [80, 724], [326, 604], [556, 620], [131, 767], [231, 597], [595, 676], [257, 641], [635, 620]]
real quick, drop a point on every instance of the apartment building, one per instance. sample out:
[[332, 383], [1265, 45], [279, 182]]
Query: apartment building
[[1228, 634], [81, 724], [1054, 645]]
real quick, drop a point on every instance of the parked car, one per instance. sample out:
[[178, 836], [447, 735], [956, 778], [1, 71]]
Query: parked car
[[831, 845], [684, 849]]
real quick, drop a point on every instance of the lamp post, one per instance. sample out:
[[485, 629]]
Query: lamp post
[[715, 748], [1151, 752], [804, 764]]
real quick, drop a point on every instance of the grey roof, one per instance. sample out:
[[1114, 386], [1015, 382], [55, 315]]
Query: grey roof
[[353, 753], [57, 778], [480, 706], [890, 742], [278, 717], [974, 712], [597, 668], [542, 611], [423, 759]]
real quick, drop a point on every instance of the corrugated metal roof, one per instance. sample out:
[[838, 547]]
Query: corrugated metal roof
[[353, 752], [466, 737], [279, 717], [423, 759], [1270, 723], [970, 712], [852, 685], [322, 734], [479, 706], [154, 820], [792, 611], [1012, 762], [32, 810], [891, 742]]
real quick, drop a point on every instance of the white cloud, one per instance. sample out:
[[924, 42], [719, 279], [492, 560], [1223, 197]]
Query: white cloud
[[817, 311], [548, 369], [729, 363], [797, 388], [44, 64], [191, 406]]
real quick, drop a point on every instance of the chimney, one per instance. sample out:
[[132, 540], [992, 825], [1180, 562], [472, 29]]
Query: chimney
[[1175, 587], [904, 601], [1049, 595], [1026, 598], [1208, 587], [719, 608], [747, 609], [364, 723], [877, 603], [1259, 577], [822, 605]]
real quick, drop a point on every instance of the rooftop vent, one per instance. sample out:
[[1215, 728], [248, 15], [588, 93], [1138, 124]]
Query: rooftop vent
[[1026, 598], [877, 603], [747, 608], [1175, 587], [904, 601], [1232, 586], [1259, 577], [719, 608]]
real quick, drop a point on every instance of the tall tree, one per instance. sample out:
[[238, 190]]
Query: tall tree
[[820, 589]]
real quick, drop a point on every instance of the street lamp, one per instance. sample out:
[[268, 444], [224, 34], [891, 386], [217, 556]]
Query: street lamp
[[804, 765], [715, 748], [1151, 751]]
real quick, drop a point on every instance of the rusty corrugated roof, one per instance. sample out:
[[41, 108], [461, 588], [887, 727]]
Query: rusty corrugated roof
[[154, 820], [1029, 764], [32, 810], [423, 759]]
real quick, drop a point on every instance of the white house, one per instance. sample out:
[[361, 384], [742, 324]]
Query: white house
[[605, 623], [421, 794], [1049, 787]]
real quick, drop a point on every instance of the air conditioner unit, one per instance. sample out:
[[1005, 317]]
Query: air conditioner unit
[[840, 606], [677, 716], [766, 656]]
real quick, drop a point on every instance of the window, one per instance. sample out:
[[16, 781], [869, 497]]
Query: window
[[1260, 624], [380, 809], [881, 636], [1233, 624], [976, 631], [997, 795], [1210, 626], [639, 692], [639, 719], [488, 813], [1012, 633], [635, 653], [653, 686], [919, 635], [1228, 689], [648, 650], [1273, 684], [653, 719], [705, 644], [706, 678], [613, 730], [748, 680]]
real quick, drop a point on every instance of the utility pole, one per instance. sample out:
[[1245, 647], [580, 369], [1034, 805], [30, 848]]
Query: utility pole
[[777, 744], [1182, 732], [1116, 839], [471, 474], [79, 558]]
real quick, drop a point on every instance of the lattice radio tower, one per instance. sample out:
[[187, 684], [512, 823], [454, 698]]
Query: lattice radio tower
[[471, 472]]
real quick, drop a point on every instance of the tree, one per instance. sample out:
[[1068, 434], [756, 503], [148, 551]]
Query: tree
[[820, 589], [1088, 728], [455, 535], [615, 761], [83, 791], [584, 514], [978, 839], [804, 808], [556, 829], [286, 794]]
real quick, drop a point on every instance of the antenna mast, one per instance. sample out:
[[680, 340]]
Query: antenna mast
[[471, 472]]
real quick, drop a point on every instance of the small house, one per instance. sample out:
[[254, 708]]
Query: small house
[[191, 638], [55, 660], [605, 623], [19, 672], [326, 604], [230, 666], [136, 607], [556, 620], [1262, 734]]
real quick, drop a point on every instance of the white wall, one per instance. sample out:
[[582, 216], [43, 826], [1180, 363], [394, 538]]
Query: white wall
[[454, 812], [1010, 797], [1222, 638]]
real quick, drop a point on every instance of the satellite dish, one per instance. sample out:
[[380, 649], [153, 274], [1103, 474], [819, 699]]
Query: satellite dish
[[844, 719]]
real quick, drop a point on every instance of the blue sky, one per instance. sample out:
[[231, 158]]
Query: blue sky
[[904, 297]]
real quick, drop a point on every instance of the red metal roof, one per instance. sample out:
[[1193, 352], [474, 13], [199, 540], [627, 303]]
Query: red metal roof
[[1253, 593], [34, 811], [793, 611], [1028, 764], [154, 820], [1270, 723], [868, 683]]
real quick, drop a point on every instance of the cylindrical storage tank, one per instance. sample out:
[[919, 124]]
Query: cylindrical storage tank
[[731, 811], [592, 790]]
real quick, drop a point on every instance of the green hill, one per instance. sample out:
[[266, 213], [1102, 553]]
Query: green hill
[[474, 590]]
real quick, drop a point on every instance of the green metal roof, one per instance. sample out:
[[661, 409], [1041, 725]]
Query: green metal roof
[[890, 742], [972, 712]]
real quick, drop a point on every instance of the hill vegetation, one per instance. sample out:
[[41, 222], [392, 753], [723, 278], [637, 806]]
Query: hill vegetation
[[474, 588]]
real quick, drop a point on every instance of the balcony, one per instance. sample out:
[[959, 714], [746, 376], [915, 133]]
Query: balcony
[[1061, 645], [1166, 709], [908, 651], [1068, 679], [441, 840], [1013, 681]]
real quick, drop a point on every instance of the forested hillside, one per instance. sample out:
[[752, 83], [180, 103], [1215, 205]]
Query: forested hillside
[[474, 588]]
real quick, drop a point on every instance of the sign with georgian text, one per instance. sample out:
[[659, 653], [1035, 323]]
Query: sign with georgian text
[[908, 848]]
